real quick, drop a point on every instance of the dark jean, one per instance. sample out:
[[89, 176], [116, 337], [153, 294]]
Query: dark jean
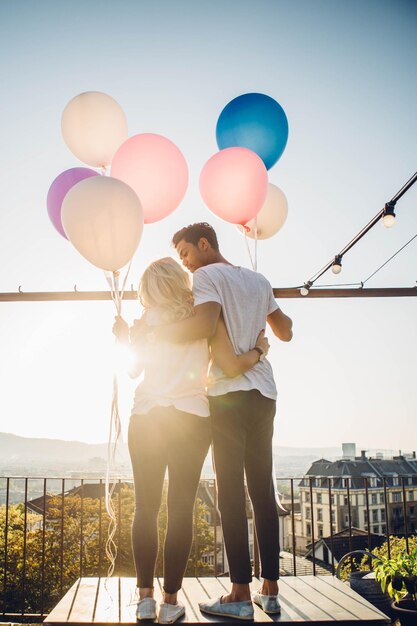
[[242, 427], [163, 439]]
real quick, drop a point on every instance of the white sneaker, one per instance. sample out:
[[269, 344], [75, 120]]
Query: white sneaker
[[146, 609], [269, 604], [169, 613]]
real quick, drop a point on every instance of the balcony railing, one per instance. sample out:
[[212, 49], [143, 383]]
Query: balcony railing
[[55, 530]]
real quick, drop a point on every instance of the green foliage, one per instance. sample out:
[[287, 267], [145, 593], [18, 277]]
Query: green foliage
[[397, 572], [42, 560]]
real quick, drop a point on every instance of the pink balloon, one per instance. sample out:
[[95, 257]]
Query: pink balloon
[[233, 184], [59, 189], [156, 169]]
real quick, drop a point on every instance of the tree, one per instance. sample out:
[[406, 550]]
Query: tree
[[41, 561]]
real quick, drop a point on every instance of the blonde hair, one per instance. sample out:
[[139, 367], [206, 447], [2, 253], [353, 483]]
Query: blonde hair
[[166, 286]]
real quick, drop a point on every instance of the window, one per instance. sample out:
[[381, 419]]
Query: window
[[375, 515], [319, 515], [374, 498], [307, 495], [383, 529], [396, 496], [382, 515], [411, 495], [308, 512], [345, 501], [308, 529], [319, 498], [333, 516], [320, 529], [381, 498], [365, 516], [411, 511], [395, 481], [375, 530], [410, 480], [332, 499]]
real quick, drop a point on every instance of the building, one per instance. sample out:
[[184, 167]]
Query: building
[[356, 491], [331, 549]]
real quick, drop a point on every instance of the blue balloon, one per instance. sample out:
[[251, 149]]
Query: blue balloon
[[254, 121]]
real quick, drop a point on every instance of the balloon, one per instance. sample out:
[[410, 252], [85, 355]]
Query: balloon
[[254, 121], [58, 190], [271, 217], [93, 126], [103, 219], [233, 184], [156, 169]]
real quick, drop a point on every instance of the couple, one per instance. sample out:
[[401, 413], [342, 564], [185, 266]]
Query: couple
[[173, 422]]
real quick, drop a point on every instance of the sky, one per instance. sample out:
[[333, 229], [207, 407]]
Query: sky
[[344, 73]]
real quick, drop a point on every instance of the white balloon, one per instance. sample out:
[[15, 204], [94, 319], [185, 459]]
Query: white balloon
[[93, 126], [271, 217], [103, 219]]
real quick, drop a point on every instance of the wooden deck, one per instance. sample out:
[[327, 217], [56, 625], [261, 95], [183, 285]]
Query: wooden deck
[[304, 599]]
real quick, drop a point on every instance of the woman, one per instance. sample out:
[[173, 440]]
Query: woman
[[169, 429]]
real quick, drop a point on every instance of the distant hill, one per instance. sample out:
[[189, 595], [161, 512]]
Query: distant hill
[[29, 450], [15, 449]]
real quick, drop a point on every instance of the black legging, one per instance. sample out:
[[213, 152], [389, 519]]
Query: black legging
[[165, 438], [242, 425]]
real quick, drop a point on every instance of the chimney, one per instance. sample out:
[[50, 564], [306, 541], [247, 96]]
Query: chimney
[[414, 454], [363, 455], [349, 451]]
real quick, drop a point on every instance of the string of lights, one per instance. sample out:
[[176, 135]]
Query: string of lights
[[387, 214]]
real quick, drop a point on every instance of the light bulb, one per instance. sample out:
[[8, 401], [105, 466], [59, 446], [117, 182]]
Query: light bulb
[[337, 264], [388, 215], [388, 220], [304, 291]]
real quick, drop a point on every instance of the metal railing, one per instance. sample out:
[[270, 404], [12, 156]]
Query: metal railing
[[54, 530]]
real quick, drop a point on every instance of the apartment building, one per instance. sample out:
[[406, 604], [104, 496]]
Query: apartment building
[[357, 491]]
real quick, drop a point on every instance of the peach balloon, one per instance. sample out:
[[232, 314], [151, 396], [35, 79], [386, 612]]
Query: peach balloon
[[233, 184], [102, 217], [156, 169], [93, 126], [271, 218]]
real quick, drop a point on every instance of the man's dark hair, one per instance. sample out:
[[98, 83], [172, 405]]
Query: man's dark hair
[[194, 232]]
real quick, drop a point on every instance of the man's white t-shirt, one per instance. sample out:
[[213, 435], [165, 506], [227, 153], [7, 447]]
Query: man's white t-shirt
[[246, 299]]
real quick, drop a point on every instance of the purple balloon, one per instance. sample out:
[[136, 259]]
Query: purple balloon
[[59, 189]]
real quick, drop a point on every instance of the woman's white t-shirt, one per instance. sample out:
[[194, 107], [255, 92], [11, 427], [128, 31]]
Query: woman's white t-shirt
[[175, 374]]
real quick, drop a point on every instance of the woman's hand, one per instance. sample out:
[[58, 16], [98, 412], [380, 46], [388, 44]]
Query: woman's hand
[[262, 342], [138, 330], [121, 329]]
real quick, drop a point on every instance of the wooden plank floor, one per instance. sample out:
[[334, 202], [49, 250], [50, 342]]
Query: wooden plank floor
[[304, 599]]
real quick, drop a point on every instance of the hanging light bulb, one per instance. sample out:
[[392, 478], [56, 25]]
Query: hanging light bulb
[[305, 289], [388, 216], [337, 264]]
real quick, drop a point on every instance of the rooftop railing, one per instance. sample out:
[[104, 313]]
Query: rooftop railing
[[55, 530]]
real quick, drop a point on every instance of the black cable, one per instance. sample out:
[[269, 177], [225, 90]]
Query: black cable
[[395, 254]]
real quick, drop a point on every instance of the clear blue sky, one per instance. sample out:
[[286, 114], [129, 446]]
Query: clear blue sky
[[344, 72]]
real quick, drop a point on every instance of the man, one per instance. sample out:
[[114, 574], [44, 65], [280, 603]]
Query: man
[[242, 411]]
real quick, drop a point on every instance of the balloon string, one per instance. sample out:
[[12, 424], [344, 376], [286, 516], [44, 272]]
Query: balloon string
[[253, 261], [248, 249], [114, 432]]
